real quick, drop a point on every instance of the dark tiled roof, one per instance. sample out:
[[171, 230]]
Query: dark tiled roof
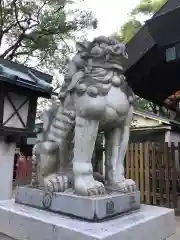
[[138, 46], [143, 41], [164, 28], [22, 68], [20, 75], [168, 6], [147, 66]]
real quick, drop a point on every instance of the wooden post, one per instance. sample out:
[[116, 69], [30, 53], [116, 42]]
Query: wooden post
[[154, 187], [132, 160], [174, 176], [167, 172], [147, 182], [161, 174], [137, 164], [141, 160]]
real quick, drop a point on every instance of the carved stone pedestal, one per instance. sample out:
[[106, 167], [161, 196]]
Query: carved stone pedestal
[[22, 222], [88, 208]]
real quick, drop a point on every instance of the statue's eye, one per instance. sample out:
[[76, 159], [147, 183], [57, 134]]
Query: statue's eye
[[116, 48], [84, 54]]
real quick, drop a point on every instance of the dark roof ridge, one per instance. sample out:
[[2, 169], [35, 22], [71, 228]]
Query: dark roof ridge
[[25, 69]]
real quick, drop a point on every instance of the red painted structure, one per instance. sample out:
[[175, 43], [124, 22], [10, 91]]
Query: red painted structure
[[22, 169]]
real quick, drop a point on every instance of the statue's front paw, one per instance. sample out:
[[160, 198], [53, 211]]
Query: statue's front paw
[[56, 183], [87, 186], [126, 185]]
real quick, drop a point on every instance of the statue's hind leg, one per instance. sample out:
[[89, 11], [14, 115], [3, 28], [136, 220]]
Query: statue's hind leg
[[117, 143], [85, 136], [59, 180]]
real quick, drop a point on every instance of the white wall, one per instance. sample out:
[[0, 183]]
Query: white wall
[[141, 121], [172, 137], [17, 100], [175, 138]]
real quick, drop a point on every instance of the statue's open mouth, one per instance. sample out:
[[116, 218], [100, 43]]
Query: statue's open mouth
[[115, 59]]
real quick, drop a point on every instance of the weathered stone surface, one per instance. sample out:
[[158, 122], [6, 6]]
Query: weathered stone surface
[[5, 237], [92, 208], [96, 94], [21, 222]]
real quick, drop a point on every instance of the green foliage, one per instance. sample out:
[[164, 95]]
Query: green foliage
[[40, 30], [145, 105], [129, 29], [148, 7], [38, 33]]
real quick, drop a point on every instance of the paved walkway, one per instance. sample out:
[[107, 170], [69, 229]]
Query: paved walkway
[[177, 235]]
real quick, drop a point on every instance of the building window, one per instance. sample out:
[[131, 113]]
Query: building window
[[170, 54]]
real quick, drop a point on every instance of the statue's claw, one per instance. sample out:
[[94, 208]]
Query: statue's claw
[[98, 190], [56, 183], [87, 186], [125, 186]]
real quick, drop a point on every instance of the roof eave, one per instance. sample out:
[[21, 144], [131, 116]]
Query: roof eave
[[23, 83]]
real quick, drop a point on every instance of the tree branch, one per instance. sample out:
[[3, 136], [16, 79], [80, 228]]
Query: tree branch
[[11, 55], [1, 16], [16, 16], [13, 47], [12, 26], [1, 21], [40, 9], [22, 53]]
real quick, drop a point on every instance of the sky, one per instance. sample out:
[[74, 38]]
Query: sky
[[111, 14]]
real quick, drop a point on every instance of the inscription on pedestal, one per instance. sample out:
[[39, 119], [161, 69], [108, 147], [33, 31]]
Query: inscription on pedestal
[[67, 203], [47, 200], [132, 200], [110, 207]]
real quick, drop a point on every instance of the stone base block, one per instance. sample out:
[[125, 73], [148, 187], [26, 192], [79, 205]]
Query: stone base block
[[22, 222], [88, 208]]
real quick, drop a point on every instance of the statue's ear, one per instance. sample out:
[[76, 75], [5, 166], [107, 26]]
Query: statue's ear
[[82, 46]]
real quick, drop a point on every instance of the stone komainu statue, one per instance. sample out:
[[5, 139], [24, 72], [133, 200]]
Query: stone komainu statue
[[94, 97]]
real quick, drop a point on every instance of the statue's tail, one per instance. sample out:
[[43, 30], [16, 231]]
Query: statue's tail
[[61, 126], [57, 137]]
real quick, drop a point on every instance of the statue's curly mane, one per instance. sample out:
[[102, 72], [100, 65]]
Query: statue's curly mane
[[95, 68]]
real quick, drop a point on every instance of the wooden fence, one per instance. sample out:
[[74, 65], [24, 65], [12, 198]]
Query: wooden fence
[[155, 168]]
